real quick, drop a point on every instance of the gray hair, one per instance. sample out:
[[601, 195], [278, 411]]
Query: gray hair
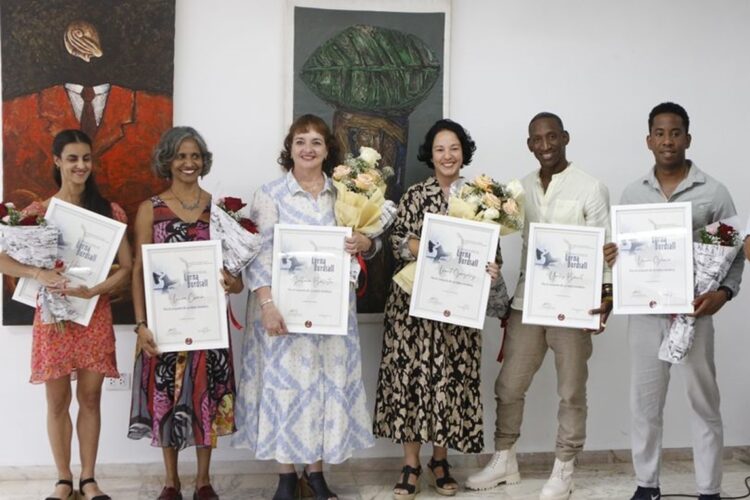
[[166, 151]]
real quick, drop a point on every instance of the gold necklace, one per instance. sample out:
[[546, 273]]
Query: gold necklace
[[184, 205]]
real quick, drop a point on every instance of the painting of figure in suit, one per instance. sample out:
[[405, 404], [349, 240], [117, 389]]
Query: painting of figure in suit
[[105, 67]]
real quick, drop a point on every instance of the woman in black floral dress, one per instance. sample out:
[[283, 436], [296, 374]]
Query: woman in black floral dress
[[428, 386]]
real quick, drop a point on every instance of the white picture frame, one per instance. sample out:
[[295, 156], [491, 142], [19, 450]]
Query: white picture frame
[[186, 307], [653, 273], [451, 283], [563, 279], [310, 278]]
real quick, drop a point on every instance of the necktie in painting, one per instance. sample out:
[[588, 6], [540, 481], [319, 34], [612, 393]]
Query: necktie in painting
[[88, 118]]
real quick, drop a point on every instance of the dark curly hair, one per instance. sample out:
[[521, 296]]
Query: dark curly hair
[[467, 144], [306, 123]]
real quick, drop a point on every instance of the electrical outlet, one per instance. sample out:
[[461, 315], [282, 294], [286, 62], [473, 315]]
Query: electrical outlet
[[122, 383]]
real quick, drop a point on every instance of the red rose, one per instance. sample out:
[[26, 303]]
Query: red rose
[[59, 264], [249, 225], [3, 210], [233, 204], [29, 220]]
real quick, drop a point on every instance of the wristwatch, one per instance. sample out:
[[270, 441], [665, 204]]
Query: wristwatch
[[728, 291], [138, 325]]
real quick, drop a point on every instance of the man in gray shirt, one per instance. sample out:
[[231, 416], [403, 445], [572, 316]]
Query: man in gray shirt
[[677, 179]]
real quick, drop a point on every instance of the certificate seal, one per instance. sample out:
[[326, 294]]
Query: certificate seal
[[561, 317], [652, 304], [447, 313], [188, 341], [308, 324]]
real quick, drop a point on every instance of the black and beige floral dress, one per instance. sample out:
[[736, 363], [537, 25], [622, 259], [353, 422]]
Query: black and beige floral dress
[[428, 385]]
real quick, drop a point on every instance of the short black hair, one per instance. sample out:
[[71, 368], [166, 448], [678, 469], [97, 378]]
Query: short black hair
[[672, 108], [467, 143], [547, 114]]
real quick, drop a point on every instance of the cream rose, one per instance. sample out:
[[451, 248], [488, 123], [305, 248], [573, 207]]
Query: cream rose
[[492, 201], [369, 156], [491, 214], [340, 172], [510, 207], [515, 188], [364, 182], [483, 182]]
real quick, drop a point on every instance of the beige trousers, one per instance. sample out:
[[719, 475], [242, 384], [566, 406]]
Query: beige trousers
[[525, 348]]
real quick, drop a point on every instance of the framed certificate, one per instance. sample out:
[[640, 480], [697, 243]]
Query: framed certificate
[[654, 269], [310, 280], [186, 306], [451, 284], [563, 275], [87, 246]]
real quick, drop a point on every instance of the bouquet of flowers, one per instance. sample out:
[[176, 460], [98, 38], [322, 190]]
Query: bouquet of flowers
[[712, 258], [486, 200], [483, 200], [360, 201], [30, 240], [240, 241]]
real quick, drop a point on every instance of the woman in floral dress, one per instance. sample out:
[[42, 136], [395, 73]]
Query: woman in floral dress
[[428, 385], [60, 353], [301, 397], [180, 399]]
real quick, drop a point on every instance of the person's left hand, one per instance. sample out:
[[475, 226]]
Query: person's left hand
[[493, 270], [603, 311], [709, 303], [357, 243], [230, 284], [81, 292]]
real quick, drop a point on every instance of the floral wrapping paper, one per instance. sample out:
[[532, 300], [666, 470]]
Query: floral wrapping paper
[[239, 246], [711, 264], [37, 246]]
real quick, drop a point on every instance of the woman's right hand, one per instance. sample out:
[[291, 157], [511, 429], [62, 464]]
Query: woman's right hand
[[52, 279], [146, 341], [413, 245], [272, 320]]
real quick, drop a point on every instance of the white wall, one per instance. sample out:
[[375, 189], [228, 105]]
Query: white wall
[[600, 64]]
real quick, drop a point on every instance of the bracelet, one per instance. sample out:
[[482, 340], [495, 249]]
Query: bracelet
[[266, 302], [138, 324]]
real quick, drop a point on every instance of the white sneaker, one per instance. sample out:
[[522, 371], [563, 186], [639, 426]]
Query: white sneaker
[[502, 468], [560, 483]]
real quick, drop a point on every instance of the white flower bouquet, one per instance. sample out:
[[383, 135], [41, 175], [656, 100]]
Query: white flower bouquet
[[360, 194]]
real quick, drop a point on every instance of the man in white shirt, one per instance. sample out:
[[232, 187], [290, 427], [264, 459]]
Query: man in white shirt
[[557, 193]]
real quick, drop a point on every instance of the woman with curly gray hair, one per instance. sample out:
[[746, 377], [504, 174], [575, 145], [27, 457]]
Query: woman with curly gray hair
[[179, 399]]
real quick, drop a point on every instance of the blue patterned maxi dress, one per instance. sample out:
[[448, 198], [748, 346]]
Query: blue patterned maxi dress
[[301, 397]]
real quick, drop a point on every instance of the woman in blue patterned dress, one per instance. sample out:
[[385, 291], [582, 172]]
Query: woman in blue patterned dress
[[301, 399]]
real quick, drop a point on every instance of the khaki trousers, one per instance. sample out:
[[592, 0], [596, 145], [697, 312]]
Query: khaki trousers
[[525, 348]]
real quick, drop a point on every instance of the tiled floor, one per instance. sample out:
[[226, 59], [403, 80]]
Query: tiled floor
[[372, 479]]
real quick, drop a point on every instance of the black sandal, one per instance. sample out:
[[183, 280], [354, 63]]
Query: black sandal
[[314, 485], [440, 483], [69, 484], [411, 489], [288, 488], [84, 482]]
